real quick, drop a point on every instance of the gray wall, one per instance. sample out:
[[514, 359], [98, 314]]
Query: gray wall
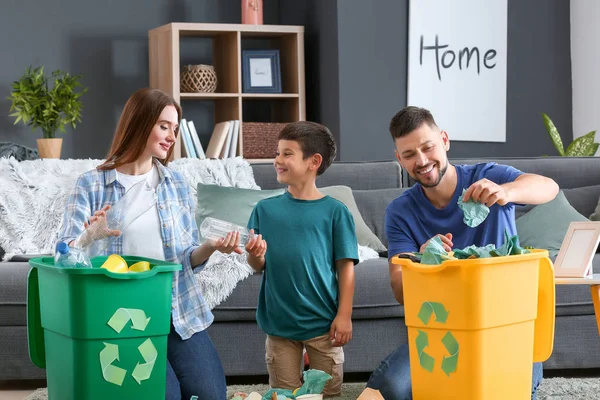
[[107, 42], [369, 45], [320, 22], [356, 60]]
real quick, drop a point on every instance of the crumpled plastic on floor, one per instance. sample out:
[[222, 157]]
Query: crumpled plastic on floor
[[474, 212], [435, 254], [314, 383]]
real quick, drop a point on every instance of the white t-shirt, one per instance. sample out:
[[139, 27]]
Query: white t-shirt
[[143, 238]]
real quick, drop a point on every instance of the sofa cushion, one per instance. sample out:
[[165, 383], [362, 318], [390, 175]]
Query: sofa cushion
[[595, 215], [583, 199], [372, 205], [373, 297], [545, 226], [13, 293], [229, 203], [364, 175], [364, 235]]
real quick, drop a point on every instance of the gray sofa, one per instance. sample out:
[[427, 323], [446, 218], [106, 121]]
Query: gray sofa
[[378, 320]]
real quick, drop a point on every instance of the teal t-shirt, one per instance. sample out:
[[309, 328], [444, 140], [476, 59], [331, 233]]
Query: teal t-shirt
[[298, 297]]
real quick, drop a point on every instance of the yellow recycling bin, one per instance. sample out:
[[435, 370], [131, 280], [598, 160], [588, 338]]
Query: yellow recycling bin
[[476, 326]]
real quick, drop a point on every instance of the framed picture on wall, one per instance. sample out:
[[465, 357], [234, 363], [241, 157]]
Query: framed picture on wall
[[261, 71]]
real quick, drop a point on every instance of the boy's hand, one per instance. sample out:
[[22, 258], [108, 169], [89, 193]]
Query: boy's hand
[[256, 247], [446, 242], [341, 331], [228, 244]]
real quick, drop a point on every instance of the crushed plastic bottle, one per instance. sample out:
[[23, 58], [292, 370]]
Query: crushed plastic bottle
[[140, 198], [70, 257], [215, 229]]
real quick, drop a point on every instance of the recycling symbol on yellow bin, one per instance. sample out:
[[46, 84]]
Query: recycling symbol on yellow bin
[[110, 353], [441, 315]]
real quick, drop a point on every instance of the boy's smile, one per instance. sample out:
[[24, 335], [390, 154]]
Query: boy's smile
[[289, 164]]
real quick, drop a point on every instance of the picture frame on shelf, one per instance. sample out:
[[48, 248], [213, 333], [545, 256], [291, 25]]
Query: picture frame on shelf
[[574, 259], [261, 71]]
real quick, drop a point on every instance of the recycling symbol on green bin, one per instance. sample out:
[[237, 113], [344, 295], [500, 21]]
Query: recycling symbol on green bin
[[425, 360], [110, 353]]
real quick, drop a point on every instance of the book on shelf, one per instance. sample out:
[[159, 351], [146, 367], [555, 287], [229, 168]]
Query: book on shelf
[[227, 145], [190, 140], [224, 141], [196, 140], [186, 140], [217, 139], [235, 138]]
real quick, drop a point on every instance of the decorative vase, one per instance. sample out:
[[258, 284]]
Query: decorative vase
[[198, 79], [49, 148], [252, 12]]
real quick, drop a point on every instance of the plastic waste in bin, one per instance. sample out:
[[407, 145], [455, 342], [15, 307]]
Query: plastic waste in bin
[[476, 326], [99, 334]]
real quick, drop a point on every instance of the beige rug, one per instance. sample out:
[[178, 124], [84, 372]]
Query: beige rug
[[550, 389]]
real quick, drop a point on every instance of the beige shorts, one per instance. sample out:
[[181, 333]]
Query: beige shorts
[[284, 362]]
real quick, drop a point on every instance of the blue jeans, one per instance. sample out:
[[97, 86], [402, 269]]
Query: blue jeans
[[194, 368], [392, 377]]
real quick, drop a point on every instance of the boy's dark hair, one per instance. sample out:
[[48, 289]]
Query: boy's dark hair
[[408, 119], [313, 139]]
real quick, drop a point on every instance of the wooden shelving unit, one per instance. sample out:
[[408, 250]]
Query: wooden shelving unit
[[228, 41]]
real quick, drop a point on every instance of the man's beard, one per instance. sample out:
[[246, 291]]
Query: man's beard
[[442, 172]]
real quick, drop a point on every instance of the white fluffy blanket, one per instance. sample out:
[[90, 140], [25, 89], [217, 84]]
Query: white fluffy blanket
[[33, 196]]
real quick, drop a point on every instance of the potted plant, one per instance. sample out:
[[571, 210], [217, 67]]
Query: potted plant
[[38, 105], [580, 147]]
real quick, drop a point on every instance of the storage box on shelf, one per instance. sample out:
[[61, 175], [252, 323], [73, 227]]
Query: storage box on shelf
[[227, 42]]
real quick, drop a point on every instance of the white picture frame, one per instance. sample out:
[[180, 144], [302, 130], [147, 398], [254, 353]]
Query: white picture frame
[[577, 251]]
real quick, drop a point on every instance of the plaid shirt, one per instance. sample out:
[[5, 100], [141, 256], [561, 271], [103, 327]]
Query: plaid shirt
[[95, 189]]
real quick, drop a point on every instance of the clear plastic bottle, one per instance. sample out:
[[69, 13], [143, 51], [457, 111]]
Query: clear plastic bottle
[[213, 228], [70, 257]]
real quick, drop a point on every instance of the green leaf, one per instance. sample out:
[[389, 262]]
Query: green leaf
[[554, 135], [593, 149], [581, 146], [48, 108]]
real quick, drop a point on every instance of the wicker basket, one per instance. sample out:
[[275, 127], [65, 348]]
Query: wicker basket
[[260, 139], [198, 79]]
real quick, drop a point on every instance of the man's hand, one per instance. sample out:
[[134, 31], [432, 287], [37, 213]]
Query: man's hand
[[446, 242], [487, 192], [341, 331]]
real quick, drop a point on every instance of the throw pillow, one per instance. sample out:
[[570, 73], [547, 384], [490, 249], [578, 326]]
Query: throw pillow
[[229, 203], [364, 235], [596, 214], [545, 226]]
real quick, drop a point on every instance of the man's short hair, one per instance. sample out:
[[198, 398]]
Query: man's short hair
[[408, 119]]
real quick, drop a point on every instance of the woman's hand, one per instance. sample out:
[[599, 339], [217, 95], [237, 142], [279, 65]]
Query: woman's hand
[[228, 244], [96, 228]]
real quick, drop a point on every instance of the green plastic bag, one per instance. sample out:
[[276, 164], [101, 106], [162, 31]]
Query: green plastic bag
[[474, 213], [314, 382]]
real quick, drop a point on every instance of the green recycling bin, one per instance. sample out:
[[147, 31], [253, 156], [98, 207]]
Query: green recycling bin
[[99, 334]]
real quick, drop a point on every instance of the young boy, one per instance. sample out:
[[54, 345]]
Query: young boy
[[305, 298]]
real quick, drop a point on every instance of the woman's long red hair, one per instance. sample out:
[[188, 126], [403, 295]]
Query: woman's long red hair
[[140, 114]]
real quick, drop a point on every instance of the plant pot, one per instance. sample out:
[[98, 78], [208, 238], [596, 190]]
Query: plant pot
[[49, 148]]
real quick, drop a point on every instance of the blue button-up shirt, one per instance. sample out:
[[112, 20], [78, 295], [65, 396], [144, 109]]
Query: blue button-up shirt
[[96, 189]]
